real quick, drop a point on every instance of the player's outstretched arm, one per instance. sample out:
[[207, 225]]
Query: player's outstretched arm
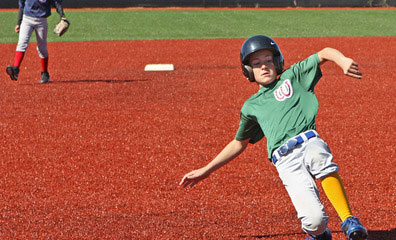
[[231, 151], [348, 65]]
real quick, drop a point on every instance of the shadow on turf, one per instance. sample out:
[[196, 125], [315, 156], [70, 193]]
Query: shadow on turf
[[382, 234], [271, 235], [99, 81], [86, 81], [373, 235]]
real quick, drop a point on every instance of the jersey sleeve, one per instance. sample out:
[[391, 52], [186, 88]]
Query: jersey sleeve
[[59, 8], [249, 128], [20, 16], [308, 71], [21, 3]]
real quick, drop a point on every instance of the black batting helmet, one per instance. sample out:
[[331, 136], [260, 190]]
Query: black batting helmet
[[254, 44]]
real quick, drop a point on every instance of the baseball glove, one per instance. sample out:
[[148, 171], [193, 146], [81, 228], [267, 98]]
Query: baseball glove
[[62, 27]]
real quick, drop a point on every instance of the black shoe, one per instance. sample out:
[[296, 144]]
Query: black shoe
[[45, 77], [13, 72]]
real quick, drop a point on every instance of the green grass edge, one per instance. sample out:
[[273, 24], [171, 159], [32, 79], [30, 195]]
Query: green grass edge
[[113, 25]]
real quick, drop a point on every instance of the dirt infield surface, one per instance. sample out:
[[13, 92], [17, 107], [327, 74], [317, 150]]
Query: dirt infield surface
[[98, 153]]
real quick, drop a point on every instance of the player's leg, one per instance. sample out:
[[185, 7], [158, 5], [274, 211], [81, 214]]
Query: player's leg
[[304, 194], [41, 35], [335, 192], [334, 189], [319, 161], [25, 32]]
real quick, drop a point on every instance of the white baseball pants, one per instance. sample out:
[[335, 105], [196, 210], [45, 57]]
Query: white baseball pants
[[40, 26], [298, 170]]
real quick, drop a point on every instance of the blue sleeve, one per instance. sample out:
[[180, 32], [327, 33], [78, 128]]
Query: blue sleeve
[[56, 2], [20, 16], [59, 8], [21, 3]]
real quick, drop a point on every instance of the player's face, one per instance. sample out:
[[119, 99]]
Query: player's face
[[263, 66]]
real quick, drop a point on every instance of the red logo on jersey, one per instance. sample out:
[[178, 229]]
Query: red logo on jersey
[[284, 91]]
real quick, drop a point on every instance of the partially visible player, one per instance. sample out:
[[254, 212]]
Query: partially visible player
[[33, 17], [284, 111]]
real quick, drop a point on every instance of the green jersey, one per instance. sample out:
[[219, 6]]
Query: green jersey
[[284, 108]]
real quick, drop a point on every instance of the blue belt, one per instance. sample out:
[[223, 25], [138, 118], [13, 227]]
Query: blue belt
[[291, 144]]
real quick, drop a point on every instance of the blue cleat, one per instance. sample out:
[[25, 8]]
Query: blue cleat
[[324, 236], [353, 229]]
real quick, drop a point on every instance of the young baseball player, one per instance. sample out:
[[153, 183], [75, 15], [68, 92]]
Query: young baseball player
[[33, 16], [284, 111]]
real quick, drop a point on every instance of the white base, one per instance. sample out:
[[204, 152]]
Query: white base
[[159, 67]]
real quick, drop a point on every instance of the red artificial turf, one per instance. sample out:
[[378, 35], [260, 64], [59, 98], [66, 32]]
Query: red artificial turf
[[98, 153]]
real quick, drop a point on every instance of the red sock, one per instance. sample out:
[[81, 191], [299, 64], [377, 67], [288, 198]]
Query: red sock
[[18, 58], [44, 64]]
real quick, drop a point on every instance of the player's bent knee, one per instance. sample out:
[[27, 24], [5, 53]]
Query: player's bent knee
[[315, 224]]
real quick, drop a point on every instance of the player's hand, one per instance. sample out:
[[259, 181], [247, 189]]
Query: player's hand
[[17, 28], [351, 68], [193, 177]]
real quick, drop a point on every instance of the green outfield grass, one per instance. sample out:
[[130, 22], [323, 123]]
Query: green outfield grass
[[205, 24]]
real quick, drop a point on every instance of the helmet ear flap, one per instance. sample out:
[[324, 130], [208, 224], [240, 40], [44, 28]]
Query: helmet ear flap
[[278, 64], [248, 72]]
